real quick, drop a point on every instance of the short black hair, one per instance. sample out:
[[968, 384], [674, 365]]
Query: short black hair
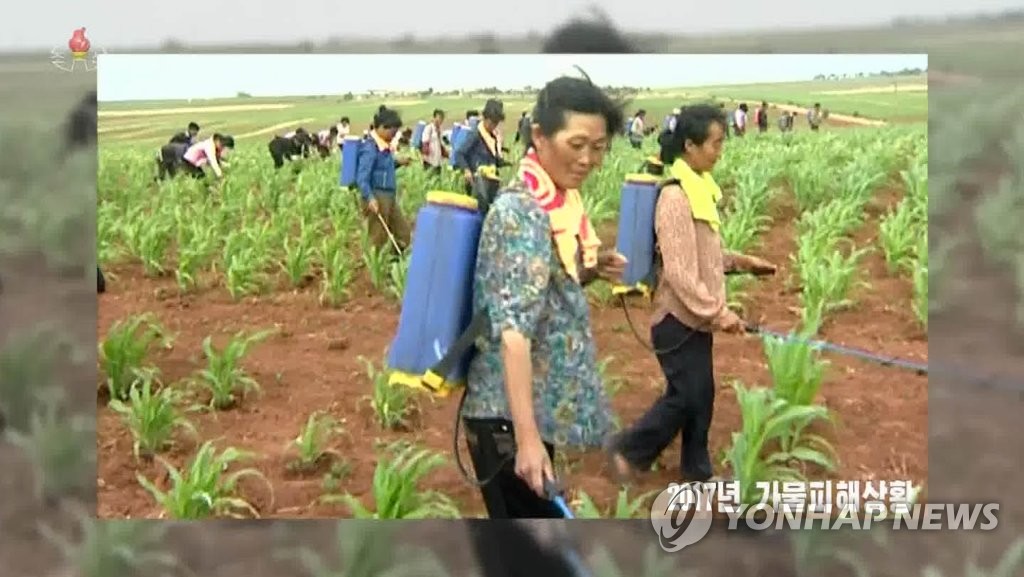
[[193, 126], [817, 105], [345, 120], [567, 94], [693, 123], [583, 37], [471, 113], [226, 140], [438, 112], [387, 118], [494, 110]]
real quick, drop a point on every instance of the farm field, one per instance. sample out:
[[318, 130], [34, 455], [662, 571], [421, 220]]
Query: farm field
[[146, 122], [280, 257]]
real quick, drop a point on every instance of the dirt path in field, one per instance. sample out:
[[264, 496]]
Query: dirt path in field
[[276, 127], [191, 110], [832, 116]]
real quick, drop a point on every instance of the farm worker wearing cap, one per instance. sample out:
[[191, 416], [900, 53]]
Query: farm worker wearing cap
[[377, 181], [690, 301], [481, 147], [534, 381], [432, 147]]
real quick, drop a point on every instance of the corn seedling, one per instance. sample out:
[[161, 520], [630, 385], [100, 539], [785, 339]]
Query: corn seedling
[[204, 489], [337, 273], [223, 376], [125, 348], [796, 367], [623, 508], [105, 548], [311, 444], [60, 447], [26, 372], [396, 492], [378, 261], [898, 234], [392, 405], [754, 453], [152, 416], [367, 549], [398, 272], [299, 255]]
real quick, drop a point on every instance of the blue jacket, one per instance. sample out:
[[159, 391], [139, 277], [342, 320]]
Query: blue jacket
[[375, 168], [474, 153]]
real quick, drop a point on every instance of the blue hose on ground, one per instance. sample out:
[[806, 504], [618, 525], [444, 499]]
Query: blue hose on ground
[[572, 557]]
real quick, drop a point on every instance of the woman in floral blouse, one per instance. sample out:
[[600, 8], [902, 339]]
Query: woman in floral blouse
[[534, 382]]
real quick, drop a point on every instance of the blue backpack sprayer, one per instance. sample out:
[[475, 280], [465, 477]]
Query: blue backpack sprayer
[[637, 241]]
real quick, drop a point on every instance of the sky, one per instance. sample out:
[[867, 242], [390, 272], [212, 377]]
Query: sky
[[172, 76], [131, 23]]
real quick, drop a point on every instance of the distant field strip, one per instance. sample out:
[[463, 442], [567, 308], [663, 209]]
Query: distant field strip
[[276, 127], [190, 110], [878, 89], [118, 134]]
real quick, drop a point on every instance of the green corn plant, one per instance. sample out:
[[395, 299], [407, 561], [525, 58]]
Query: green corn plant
[[299, 255], [125, 348], [399, 272], [755, 454], [26, 373], [396, 493], [368, 549], [797, 369], [378, 264], [338, 274], [898, 236], [105, 548], [311, 444], [829, 281], [393, 405], [623, 508], [203, 489], [60, 447], [223, 377], [152, 416], [242, 265], [154, 243]]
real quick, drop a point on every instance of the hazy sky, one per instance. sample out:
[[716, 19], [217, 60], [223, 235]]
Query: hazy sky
[[171, 76], [128, 23]]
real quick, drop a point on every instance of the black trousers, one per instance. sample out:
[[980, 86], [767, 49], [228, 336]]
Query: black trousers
[[492, 448], [687, 405]]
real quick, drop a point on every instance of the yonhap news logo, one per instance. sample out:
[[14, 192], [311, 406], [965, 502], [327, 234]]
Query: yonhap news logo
[[682, 514]]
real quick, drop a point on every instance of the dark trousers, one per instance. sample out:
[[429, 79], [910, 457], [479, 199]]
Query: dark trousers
[[492, 448], [686, 406]]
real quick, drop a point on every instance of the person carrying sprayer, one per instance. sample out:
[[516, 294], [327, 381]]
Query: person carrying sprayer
[[377, 181], [533, 382], [479, 155], [690, 301]]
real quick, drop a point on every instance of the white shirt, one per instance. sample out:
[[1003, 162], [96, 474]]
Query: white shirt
[[637, 127], [741, 118], [431, 140], [343, 130]]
